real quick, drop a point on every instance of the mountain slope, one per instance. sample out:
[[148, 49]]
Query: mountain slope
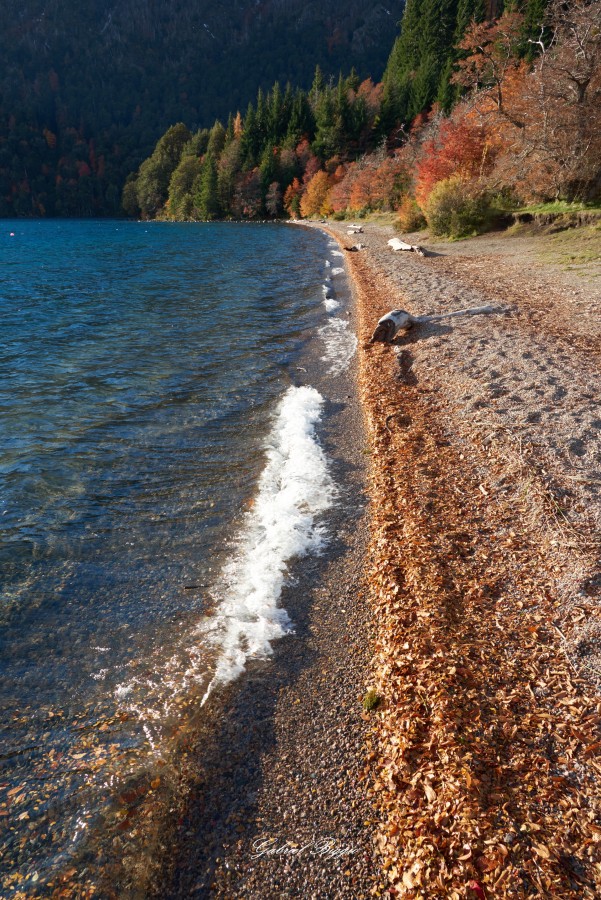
[[86, 88]]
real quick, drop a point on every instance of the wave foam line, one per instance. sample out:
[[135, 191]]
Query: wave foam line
[[340, 345], [294, 489]]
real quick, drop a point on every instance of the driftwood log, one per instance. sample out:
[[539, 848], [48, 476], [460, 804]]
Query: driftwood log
[[398, 244], [355, 229], [354, 248], [399, 320]]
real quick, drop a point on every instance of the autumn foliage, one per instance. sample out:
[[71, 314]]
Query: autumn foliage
[[459, 147], [526, 127]]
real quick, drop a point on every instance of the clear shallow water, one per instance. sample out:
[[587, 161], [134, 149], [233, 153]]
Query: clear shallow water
[[153, 444]]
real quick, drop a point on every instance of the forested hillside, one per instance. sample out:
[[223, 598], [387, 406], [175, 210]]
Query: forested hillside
[[87, 88], [478, 112]]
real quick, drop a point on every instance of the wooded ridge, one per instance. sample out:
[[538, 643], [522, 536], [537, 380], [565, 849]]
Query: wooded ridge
[[87, 88], [470, 122]]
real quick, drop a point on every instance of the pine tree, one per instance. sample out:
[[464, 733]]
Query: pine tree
[[262, 119], [302, 120], [250, 138], [180, 201], [216, 141], [317, 87], [328, 126], [403, 62], [198, 143], [206, 196], [276, 127]]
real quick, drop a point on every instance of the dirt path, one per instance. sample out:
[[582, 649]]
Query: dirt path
[[486, 478]]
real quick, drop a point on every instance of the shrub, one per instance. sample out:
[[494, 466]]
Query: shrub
[[410, 216], [451, 211]]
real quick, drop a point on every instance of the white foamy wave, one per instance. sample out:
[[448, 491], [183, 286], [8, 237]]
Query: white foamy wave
[[325, 288], [330, 304], [328, 263], [294, 489], [337, 253], [340, 345], [337, 271]]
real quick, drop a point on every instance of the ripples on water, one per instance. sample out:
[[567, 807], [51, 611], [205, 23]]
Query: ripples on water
[[140, 371]]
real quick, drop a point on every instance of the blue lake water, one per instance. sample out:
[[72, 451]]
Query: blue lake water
[[160, 465]]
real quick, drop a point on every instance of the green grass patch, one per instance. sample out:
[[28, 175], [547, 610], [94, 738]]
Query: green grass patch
[[576, 249], [560, 207]]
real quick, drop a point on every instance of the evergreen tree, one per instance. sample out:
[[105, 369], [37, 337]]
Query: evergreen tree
[[198, 143], [152, 183], [534, 15], [276, 124], [262, 119], [180, 202], [353, 81], [402, 65], [268, 167], [328, 126], [228, 168], [302, 121], [468, 11], [206, 196], [216, 140], [318, 86], [251, 138]]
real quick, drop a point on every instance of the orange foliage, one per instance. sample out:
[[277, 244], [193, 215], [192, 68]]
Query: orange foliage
[[372, 94], [311, 169], [314, 200], [543, 122], [303, 153], [292, 198], [460, 146], [374, 182]]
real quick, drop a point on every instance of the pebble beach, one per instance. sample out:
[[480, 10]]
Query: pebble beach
[[461, 591]]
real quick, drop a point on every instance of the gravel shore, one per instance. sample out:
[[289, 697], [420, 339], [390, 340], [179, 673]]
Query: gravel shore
[[462, 585], [484, 561], [277, 798]]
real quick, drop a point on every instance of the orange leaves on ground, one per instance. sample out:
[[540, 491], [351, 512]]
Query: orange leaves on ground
[[485, 781]]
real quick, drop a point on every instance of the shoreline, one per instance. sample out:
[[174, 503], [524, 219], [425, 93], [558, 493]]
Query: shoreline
[[271, 795], [482, 561], [463, 557]]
